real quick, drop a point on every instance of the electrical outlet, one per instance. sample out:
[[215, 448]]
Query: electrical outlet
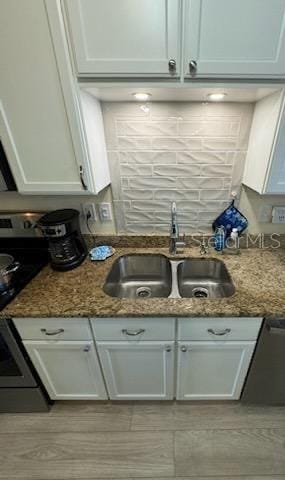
[[89, 211], [278, 215], [105, 212]]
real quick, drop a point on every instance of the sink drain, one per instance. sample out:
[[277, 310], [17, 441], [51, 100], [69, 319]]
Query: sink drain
[[199, 292], [143, 292]]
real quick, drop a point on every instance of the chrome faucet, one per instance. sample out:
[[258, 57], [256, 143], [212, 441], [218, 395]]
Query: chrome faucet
[[174, 241]]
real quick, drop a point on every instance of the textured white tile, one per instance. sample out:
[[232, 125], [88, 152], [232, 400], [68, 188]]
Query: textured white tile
[[182, 217], [202, 157], [193, 183], [134, 143], [178, 143], [192, 153], [235, 128], [188, 229], [230, 158], [149, 128], [220, 143], [174, 195], [140, 228], [149, 205], [216, 170], [124, 110], [196, 206], [209, 217], [128, 170], [139, 216], [125, 182], [179, 110], [137, 194], [176, 170], [148, 157], [227, 182], [214, 194], [152, 182], [205, 129]]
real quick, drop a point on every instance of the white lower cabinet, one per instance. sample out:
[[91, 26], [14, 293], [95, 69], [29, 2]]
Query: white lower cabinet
[[138, 370], [69, 370], [212, 370]]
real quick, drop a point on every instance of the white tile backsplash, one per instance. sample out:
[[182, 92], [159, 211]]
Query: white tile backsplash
[[189, 152]]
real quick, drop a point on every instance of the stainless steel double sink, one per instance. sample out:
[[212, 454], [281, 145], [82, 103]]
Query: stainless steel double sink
[[153, 276]]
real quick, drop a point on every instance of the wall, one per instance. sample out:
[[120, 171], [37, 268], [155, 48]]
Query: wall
[[13, 201], [189, 152], [257, 207]]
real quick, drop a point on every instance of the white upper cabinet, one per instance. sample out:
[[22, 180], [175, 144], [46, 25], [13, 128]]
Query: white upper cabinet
[[124, 37], [265, 162], [41, 125], [234, 38]]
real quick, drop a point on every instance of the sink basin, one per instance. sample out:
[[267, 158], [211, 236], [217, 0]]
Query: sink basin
[[204, 278], [139, 276]]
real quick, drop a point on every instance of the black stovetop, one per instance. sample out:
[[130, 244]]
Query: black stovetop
[[32, 254]]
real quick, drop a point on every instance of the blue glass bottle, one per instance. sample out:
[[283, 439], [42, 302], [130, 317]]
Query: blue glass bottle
[[219, 239]]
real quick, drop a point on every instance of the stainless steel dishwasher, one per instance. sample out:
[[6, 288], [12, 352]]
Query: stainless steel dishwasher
[[265, 383]]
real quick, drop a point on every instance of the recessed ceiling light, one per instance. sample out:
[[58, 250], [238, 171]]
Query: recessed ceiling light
[[216, 97], [142, 97]]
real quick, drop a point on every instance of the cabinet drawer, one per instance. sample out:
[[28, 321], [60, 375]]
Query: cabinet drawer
[[133, 329], [218, 328], [53, 328]]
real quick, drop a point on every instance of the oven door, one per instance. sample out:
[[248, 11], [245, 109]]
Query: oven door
[[14, 369]]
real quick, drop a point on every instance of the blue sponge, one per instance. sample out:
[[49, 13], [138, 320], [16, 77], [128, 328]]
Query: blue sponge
[[101, 253]]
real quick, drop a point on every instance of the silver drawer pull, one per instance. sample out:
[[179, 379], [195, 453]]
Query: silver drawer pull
[[133, 333], [52, 332], [219, 332]]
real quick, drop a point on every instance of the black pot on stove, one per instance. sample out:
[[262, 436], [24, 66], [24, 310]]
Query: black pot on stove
[[8, 267], [67, 247]]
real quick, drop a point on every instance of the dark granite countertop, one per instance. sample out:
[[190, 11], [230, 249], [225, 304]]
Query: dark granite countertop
[[258, 275]]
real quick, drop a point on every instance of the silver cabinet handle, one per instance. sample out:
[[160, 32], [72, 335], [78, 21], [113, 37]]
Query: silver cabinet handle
[[52, 332], [168, 348], [172, 66], [87, 348], [183, 349], [193, 67], [82, 179], [133, 333], [219, 332]]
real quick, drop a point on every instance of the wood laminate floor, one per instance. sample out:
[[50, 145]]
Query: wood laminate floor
[[163, 441]]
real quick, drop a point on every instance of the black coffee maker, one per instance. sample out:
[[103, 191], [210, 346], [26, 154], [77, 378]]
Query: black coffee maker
[[67, 247]]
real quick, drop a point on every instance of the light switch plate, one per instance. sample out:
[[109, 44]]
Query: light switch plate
[[105, 212], [278, 215]]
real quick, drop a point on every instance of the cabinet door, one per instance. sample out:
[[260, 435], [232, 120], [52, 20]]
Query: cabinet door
[[125, 37], [34, 127], [138, 370], [212, 370], [235, 38], [68, 370]]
